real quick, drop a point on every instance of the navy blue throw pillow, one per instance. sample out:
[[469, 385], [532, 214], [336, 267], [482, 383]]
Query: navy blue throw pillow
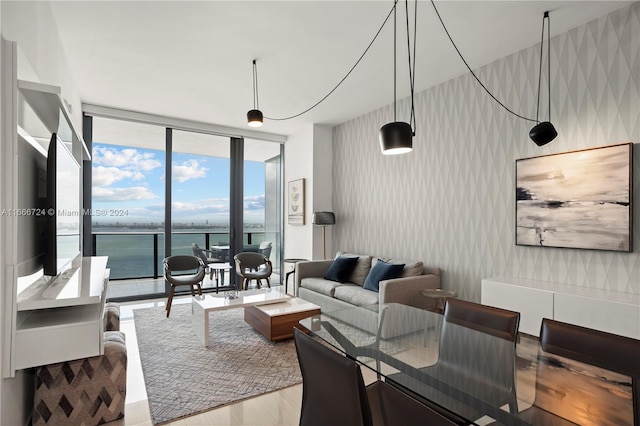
[[382, 271], [341, 269]]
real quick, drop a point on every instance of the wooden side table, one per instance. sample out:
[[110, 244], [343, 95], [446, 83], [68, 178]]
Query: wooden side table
[[293, 261]]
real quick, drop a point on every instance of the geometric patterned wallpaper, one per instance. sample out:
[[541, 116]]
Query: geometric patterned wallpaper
[[451, 201]]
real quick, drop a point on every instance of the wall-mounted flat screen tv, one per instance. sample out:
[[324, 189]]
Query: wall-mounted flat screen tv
[[63, 208]]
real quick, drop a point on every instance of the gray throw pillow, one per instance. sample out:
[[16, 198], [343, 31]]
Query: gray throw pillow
[[359, 274], [412, 268]]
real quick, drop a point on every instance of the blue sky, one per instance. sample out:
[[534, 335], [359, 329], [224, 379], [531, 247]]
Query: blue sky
[[132, 179]]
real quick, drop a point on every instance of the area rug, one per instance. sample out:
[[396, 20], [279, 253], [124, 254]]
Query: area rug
[[184, 378]]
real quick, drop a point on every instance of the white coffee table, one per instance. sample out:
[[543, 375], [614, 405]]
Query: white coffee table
[[201, 306]]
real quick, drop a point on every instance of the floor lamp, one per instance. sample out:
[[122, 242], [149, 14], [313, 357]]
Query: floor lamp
[[323, 219]]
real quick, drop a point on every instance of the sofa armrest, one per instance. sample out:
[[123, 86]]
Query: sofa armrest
[[407, 290], [312, 268]]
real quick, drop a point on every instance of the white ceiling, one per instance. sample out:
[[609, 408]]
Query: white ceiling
[[192, 60]]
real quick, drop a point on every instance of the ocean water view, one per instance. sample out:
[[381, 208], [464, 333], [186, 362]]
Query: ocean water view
[[131, 251]]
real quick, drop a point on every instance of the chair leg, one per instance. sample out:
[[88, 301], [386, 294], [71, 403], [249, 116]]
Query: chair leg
[[258, 283], [268, 282], [191, 288], [169, 300], [199, 289]]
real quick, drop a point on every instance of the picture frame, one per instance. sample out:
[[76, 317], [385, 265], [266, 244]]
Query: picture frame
[[295, 209], [578, 199]]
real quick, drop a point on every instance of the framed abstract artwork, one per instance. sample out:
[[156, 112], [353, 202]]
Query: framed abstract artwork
[[295, 213], [579, 199]]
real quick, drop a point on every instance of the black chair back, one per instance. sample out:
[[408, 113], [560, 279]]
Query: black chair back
[[333, 391], [604, 350], [181, 263]]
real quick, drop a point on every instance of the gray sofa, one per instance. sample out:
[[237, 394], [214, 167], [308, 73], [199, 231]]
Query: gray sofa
[[335, 296]]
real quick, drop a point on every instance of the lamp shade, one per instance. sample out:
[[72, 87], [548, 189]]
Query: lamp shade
[[254, 118], [396, 138], [543, 133], [324, 218]]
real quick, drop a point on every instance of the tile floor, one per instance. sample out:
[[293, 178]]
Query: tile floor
[[276, 408]]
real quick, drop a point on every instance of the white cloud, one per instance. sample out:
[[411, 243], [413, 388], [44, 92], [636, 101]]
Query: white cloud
[[255, 202], [190, 169], [127, 158], [105, 176], [122, 194]]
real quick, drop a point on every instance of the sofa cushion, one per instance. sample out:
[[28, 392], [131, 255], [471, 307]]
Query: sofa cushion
[[320, 285], [356, 295], [382, 271], [341, 269], [412, 268], [361, 271]]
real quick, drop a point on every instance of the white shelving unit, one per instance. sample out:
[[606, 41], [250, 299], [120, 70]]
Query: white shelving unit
[[604, 310], [54, 326], [46, 319]]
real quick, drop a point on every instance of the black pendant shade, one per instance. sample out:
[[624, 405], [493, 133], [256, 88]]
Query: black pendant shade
[[543, 133], [396, 138], [254, 118]]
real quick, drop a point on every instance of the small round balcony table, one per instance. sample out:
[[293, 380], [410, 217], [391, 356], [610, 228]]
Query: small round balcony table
[[293, 262], [438, 298]]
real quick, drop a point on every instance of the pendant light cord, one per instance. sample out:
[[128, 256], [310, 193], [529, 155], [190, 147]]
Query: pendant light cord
[[346, 75], [255, 85], [395, 109], [546, 17], [473, 73], [412, 65]]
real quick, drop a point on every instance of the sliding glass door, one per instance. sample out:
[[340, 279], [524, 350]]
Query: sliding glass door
[[200, 196]]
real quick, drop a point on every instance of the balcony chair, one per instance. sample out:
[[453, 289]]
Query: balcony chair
[[182, 263], [334, 393], [253, 266], [265, 248], [581, 400], [485, 366], [208, 257]]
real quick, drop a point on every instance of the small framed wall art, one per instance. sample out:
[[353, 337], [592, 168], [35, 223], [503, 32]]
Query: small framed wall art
[[295, 211], [578, 199]]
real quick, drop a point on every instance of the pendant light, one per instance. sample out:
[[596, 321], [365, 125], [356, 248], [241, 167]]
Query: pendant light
[[397, 137], [544, 132], [254, 116]]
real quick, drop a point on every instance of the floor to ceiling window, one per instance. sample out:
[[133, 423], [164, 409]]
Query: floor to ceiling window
[[262, 199], [130, 188], [128, 163]]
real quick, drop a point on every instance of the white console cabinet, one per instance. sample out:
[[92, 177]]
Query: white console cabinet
[[62, 319], [609, 311]]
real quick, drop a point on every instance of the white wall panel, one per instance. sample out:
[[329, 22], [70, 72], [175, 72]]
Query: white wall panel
[[451, 201]]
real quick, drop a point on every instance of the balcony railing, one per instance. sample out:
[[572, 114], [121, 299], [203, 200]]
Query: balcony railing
[[140, 254]]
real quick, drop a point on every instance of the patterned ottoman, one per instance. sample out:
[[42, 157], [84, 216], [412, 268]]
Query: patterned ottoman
[[83, 392], [112, 316]]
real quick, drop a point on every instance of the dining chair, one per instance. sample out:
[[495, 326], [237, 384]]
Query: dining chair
[[253, 266], [474, 373], [183, 263], [597, 401], [208, 257], [334, 393]]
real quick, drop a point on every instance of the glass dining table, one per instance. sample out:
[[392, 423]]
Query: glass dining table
[[471, 376]]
